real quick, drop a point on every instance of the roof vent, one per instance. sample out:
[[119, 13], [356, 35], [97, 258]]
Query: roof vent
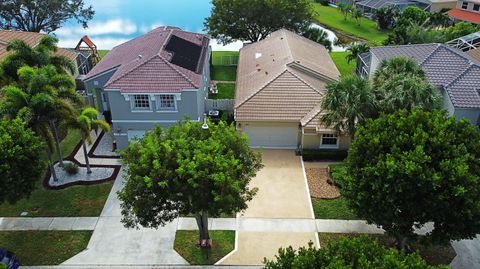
[[258, 55], [140, 56]]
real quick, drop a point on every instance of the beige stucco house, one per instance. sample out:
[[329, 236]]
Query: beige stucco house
[[280, 83]]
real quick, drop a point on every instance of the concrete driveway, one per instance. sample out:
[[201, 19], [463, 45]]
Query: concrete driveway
[[283, 193]]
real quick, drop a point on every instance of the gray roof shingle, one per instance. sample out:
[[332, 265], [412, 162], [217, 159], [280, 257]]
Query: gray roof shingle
[[445, 67]]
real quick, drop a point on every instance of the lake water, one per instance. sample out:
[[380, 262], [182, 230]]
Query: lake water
[[117, 21]]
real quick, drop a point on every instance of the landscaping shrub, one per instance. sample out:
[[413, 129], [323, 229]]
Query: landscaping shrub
[[324, 155], [71, 168], [339, 173]]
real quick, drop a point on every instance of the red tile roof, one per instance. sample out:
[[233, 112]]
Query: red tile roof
[[143, 64], [464, 15]]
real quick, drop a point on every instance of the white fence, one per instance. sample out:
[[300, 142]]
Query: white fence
[[228, 60], [219, 104]]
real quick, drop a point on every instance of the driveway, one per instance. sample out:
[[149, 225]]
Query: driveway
[[282, 193]]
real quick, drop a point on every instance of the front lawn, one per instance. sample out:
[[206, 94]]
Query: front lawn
[[44, 247], [225, 91], [433, 254], [185, 245], [332, 209], [82, 201], [224, 73], [343, 66], [333, 19]]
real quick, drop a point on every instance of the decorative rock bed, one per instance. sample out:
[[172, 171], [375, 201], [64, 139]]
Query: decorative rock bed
[[103, 147], [318, 184], [98, 174]]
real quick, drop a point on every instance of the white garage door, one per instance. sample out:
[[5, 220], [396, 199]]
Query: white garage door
[[272, 136]]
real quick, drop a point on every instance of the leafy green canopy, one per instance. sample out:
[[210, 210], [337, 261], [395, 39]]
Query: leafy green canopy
[[254, 20], [358, 252], [408, 169], [21, 164], [186, 169]]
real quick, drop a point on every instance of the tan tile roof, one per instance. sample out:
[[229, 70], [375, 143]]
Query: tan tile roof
[[475, 53], [282, 78], [32, 39]]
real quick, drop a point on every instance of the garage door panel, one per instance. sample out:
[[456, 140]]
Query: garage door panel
[[272, 136]]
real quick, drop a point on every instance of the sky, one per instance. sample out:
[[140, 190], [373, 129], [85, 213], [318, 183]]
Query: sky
[[117, 21]]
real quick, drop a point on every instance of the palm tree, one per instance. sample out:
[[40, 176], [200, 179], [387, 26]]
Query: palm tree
[[87, 122], [357, 14], [344, 9], [385, 16], [346, 103], [43, 54], [396, 66], [319, 36], [355, 50]]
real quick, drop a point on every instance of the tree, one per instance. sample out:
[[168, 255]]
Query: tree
[[411, 168], [319, 36], [254, 20], [358, 252], [357, 14], [355, 50], [346, 103], [42, 15], [20, 164], [187, 169], [21, 54], [86, 122], [385, 17], [414, 15], [439, 19], [40, 97], [460, 29], [345, 9], [400, 83]]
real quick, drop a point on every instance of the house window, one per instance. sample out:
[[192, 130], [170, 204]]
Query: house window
[[476, 7], [464, 5], [329, 141], [141, 102], [166, 103]]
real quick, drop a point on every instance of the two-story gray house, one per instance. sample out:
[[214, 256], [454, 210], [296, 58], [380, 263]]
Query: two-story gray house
[[454, 73], [157, 78]]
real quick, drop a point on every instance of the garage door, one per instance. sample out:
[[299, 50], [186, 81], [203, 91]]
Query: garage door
[[272, 136]]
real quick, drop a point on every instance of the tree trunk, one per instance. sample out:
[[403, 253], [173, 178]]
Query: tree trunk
[[50, 165], [57, 142], [402, 243], [89, 171], [202, 222]]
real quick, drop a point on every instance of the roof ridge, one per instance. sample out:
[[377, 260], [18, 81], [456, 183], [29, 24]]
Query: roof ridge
[[129, 71], [406, 45], [284, 34], [178, 71], [430, 54], [306, 83], [460, 75], [318, 106], [260, 89]]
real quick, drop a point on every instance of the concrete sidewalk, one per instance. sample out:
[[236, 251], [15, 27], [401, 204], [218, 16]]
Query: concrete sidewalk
[[48, 224]]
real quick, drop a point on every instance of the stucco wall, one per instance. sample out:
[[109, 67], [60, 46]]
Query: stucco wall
[[469, 114], [312, 141]]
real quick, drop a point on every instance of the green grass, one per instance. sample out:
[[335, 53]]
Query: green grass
[[82, 201], [333, 19], [224, 73], [225, 91], [44, 247], [185, 245], [102, 53], [343, 66], [332, 209], [217, 56], [433, 254]]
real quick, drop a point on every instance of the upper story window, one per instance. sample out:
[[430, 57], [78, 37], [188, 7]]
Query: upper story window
[[166, 103], [141, 102], [476, 7], [464, 5], [329, 141]]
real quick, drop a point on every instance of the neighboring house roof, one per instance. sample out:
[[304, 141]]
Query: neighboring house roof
[[32, 39], [165, 59], [443, 65], [400, 4], [475, 54], [464, 15], [281, 78]]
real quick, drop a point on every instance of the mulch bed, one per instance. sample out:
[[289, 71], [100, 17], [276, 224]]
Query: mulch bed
[[319, 187]]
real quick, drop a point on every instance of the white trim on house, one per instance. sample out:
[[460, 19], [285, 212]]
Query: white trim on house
[[147, 121], [329, 146]]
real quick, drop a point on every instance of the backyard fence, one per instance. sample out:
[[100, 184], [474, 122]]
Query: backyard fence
[[220, 104], [228, 60]]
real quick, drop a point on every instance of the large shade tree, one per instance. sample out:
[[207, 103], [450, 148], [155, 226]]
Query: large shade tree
[[43, 54], [346, 103], [20, 164], [254, 20], [411, 168], [187, 169], [42, 15]]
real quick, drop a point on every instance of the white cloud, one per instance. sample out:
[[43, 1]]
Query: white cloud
[[115, 26], [103, 43], [235, 46]]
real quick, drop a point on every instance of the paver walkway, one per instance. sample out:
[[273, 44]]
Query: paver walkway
[[283, 194]]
